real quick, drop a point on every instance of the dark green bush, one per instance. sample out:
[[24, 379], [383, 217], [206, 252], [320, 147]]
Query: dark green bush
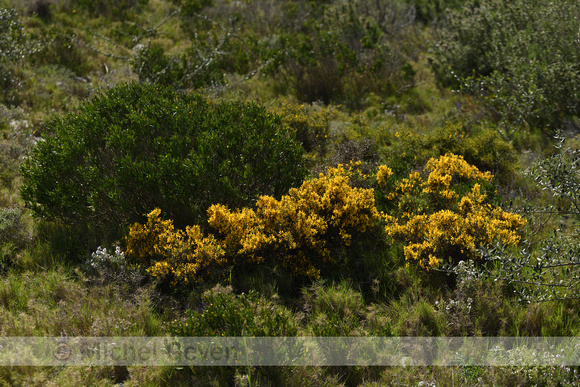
[[520, 57], [40, 8], [139, 147], [427, 11]]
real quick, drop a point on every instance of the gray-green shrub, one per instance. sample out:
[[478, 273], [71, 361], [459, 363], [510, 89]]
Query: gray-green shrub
[[14, 45], [521, 57]]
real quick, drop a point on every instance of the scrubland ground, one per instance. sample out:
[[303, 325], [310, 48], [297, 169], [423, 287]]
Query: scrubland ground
[[289, 168]]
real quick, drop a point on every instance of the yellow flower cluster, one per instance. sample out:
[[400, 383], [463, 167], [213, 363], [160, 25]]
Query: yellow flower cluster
[[169, 251], [297, 230], [353, 170], [446, 172], [300, 225], [445, 215], [383, 175], [436, 222]]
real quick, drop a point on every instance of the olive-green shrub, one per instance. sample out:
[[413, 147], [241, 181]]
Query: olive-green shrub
[[141, 147], [228, 314]]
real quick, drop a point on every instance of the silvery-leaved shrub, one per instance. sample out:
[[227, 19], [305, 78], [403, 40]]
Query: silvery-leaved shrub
[[14, 46], [113, 267], [13, 235], [101, 259]]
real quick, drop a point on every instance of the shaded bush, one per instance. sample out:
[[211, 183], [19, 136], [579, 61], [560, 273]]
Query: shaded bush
[[138, 147], [40, 8], [342, 51]]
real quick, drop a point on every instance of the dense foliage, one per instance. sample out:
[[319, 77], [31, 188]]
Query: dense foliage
[[136, 148], [520, 57], [122, 122]]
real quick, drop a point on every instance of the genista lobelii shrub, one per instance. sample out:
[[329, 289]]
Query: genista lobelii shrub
[[446, 215], [140, 147], [302, 231]]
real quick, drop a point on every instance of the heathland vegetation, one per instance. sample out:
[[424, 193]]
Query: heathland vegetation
[[290, 168]]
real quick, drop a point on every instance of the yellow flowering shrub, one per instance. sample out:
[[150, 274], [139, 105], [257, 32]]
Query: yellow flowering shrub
[[438, 214], [436, 219], [445, 173], [170, 252], [302, 226], [383, 175], [299, 231]]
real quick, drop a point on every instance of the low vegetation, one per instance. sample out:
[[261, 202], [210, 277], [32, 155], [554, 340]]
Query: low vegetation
[[289, 168]]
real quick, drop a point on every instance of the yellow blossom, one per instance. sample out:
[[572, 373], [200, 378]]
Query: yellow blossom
[[451, 225]]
